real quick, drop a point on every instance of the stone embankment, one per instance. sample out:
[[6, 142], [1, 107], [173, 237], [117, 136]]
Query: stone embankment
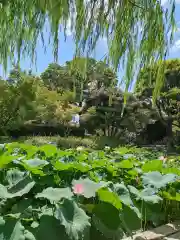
[[170, 231]]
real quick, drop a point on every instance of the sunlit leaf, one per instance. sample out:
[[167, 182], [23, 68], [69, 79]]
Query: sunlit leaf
[[125, 164], [36, 163], [157, 180], [17, 190], [12, 229], [73, 218], [170, 196], [49, 228], [109, 227], [130, 219], [171, 170], [147, 194], [110, 197], [14, 176], [154, 165], [55, 194], [123, 193], [6, 159], [49, 150], [28, 235]]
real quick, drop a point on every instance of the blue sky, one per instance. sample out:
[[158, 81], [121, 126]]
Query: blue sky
[[66, 49]]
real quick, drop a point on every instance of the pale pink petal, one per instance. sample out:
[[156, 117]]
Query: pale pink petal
[[78, 189], [162, 158]]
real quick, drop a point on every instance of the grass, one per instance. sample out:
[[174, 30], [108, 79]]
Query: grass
[[92, 142]]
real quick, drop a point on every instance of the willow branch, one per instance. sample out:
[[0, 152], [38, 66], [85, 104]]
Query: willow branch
[[136, 5]]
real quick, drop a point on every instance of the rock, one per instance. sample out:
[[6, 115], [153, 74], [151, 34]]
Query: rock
[[167, 231], [173, 236]]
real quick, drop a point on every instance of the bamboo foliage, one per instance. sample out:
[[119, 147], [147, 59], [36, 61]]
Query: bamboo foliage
[[136, 30]]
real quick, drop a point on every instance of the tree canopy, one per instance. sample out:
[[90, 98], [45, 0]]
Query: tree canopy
[[136, 31], [50, 98], [168, 102], [67, 77], [46, 104]]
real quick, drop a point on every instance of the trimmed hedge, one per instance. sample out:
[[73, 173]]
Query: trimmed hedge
[[45, 130], [72, 142]]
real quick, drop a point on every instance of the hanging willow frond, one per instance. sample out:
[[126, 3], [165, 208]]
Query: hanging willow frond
[[134, 29]]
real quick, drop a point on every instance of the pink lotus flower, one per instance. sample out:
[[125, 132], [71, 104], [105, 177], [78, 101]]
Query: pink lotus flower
[[162, 158], [78, 189]]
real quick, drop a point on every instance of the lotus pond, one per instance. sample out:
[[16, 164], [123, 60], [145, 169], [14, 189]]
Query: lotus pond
[[47, 193]]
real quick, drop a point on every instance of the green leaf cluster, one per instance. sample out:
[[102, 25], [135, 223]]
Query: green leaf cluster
[[48, 193]]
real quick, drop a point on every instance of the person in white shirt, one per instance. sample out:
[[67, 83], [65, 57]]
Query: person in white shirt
[[75, 119]]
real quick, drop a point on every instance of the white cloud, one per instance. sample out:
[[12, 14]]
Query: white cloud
[[164, 2], [176, 46]]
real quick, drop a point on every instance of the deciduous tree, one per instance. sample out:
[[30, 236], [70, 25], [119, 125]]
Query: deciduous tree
[[168, 102]]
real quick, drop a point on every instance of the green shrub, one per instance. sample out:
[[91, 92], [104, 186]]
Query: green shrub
[[61, 142], [39, 140], [103, 141], [92, 142], [5, 139], [74, 142]]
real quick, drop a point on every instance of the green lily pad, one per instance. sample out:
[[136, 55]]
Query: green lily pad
[[55, 194]]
